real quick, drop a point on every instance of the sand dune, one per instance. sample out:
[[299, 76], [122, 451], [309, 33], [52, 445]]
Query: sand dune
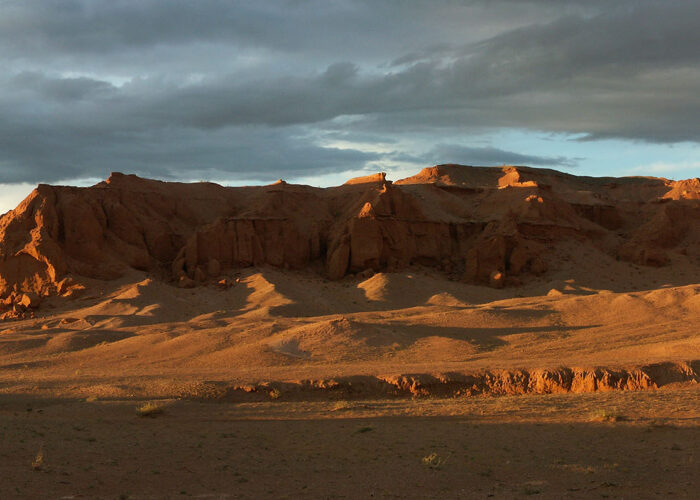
[[149, 336]]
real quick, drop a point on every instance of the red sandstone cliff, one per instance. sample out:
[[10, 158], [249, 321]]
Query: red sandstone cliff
[[487, 225]]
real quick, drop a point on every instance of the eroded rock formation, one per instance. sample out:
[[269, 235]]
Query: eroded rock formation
[[456, 384], [487, 225]]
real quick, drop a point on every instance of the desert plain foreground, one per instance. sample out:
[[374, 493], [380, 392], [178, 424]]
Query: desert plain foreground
[[637, 444], [464, 333]]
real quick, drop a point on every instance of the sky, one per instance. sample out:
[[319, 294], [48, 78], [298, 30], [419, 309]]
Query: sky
[[317, 91]]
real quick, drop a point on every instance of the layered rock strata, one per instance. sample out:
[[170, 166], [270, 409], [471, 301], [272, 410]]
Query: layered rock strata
[[486, 225]]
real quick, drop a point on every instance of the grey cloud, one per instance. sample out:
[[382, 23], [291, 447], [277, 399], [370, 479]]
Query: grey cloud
[[61, 89], [49, 152], [606, 75], [90, 29], [454, 153], [247, 89], [424, 54], [354, 136], [424, 94], [77, 26]]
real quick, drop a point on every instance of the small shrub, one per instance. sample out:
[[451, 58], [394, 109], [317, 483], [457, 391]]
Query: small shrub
[[434, 461], [275, 393], [608, 416], [149, 410], [38, 460], [341, 405]]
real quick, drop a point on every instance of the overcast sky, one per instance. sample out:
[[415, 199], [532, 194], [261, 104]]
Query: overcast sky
[[317, 91]]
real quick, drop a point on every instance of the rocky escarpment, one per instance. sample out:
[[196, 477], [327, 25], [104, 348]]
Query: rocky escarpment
[[487, 225], [495, 383]]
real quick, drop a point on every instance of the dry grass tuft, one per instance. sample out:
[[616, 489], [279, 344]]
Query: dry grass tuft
[[607, 415], [38, 460], [434, 461], [150, 409], [342, 405]]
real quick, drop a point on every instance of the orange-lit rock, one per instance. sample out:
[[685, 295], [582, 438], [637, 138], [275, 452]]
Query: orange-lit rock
[[466, 221]]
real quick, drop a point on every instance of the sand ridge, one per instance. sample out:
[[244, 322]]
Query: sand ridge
[[137, 334]]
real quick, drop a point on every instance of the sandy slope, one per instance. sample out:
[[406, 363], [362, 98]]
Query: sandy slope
[[140, 336]]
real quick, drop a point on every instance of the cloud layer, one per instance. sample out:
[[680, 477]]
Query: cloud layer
[[254, 90]]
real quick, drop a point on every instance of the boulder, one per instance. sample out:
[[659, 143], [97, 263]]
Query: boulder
[[497, 279], [185, 282], [30, 300]]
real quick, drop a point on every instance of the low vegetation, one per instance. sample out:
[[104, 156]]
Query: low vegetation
[[150, 409], [38, 460], [608, 415], [434, 461]]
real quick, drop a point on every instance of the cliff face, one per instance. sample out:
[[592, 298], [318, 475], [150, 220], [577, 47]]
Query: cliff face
[[487, 225]]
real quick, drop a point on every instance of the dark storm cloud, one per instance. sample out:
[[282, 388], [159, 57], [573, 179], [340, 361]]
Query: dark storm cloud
[[97, 28], [59, 89], [225, 154], [455, 153], [247, 89], [73, 26]]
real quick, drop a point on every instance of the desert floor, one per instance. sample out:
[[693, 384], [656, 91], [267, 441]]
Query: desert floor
[[641, 444], [72, 377]]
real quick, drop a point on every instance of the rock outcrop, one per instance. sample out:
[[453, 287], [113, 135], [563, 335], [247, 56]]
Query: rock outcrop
[[487, 225], [459, 385]]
